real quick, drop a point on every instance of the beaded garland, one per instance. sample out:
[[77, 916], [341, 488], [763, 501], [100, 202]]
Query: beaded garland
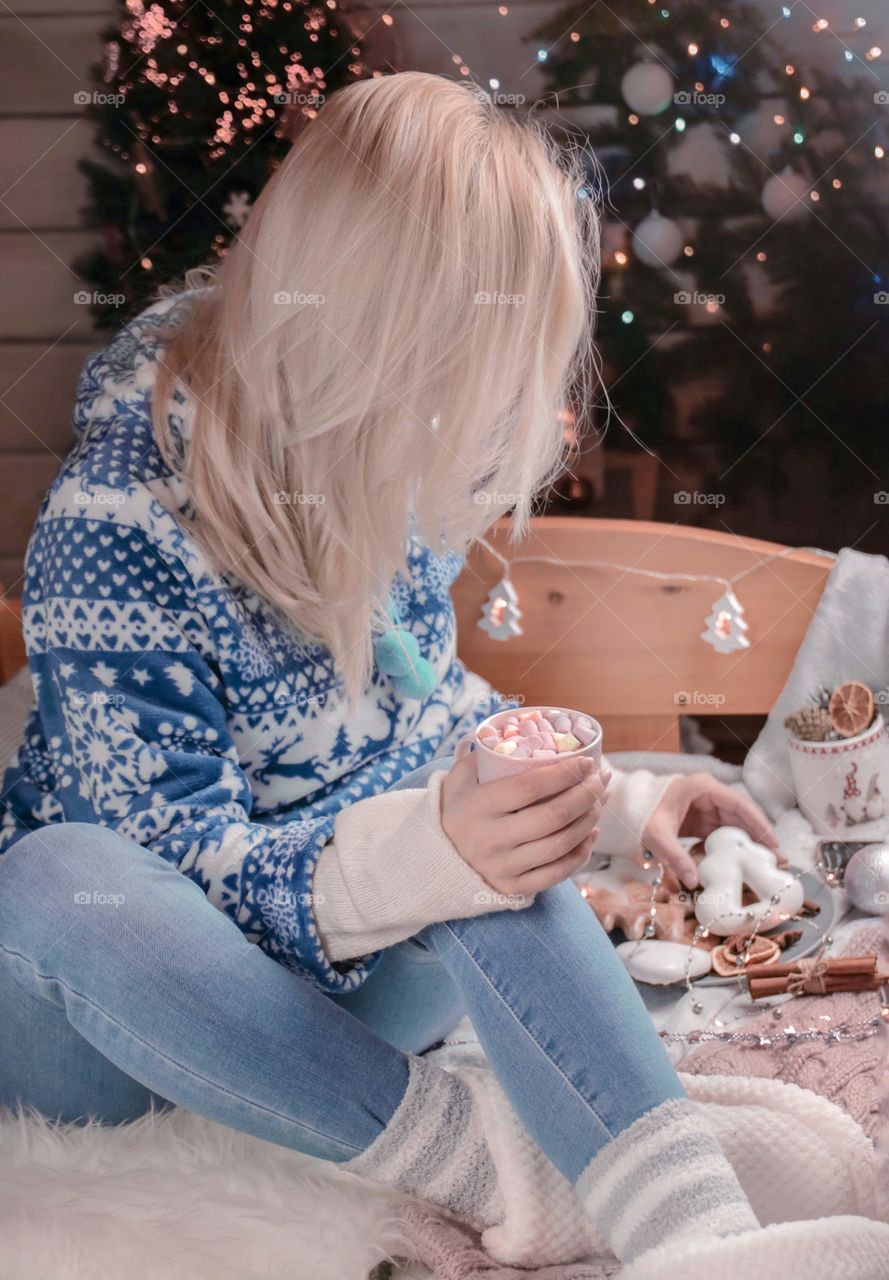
[[853, 1031]]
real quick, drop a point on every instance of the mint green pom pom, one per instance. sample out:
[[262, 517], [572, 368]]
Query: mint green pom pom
[[419, 683], [398, 656], [396, 652]]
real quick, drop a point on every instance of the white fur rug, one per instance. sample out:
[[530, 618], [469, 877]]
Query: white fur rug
[[176, 1197]]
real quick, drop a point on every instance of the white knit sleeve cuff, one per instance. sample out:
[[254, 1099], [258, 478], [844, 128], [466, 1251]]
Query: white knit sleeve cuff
[[633, 798], [390, 871]]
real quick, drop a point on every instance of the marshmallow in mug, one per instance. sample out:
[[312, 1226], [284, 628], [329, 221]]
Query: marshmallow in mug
[[537, 735]]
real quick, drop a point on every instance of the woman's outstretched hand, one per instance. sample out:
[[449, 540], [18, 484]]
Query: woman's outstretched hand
[[695, 805], [525, 833]]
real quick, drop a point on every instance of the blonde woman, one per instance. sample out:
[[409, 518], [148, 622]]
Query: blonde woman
[[242, 873]]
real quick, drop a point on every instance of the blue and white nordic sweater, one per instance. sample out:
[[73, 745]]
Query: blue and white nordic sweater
[[173, 707]]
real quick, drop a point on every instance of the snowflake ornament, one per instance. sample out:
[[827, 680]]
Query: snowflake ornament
[[237, 208]]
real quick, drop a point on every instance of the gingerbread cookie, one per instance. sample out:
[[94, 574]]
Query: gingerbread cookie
[[629, 909]]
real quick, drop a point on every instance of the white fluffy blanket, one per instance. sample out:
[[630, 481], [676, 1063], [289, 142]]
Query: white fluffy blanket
[[175, 1197]]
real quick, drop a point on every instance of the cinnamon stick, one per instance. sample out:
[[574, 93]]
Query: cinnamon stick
[[843, 964], [760, 988], [852, 964], [768, 987]]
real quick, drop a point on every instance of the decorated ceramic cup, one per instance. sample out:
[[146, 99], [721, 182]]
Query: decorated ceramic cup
[[842, 786], [492, 765]]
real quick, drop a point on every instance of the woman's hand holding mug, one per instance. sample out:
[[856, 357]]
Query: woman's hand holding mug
[[526, 832], [522, 822]]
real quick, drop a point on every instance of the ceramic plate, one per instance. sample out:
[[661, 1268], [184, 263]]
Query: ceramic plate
[[813, 928]]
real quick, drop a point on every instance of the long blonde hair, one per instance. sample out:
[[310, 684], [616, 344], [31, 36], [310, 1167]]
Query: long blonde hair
[[387, 346]]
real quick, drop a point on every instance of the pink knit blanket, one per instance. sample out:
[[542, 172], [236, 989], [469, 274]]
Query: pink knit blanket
[[453, 1252], [854, 1074]]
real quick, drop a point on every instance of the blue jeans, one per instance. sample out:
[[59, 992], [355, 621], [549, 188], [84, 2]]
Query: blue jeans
[[123, 989]]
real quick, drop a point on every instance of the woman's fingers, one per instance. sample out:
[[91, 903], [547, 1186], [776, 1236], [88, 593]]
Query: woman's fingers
[[736, 809], [710, 804], [540, 820], [540, 878], [748, 815], [552, 847], [666, 848], [509, 795]]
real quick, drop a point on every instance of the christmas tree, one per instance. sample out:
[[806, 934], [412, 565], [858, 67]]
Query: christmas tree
[[743, 309], [195, 105]]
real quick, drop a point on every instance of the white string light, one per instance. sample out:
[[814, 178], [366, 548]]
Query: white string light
[[725, 626], [658, 575]]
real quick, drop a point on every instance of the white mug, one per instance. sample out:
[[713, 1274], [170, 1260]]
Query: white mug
[[492, 764]]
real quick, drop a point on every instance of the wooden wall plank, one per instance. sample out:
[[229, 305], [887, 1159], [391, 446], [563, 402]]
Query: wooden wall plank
[[45, 61], [39, 178], [37, 385], [100, 11], [33, 473], [40, 287]]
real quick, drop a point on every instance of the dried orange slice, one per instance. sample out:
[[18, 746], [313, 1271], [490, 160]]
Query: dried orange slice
[[851, 708], [761, 951]]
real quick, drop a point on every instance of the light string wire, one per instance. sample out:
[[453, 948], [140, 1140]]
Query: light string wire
[[507, 562]]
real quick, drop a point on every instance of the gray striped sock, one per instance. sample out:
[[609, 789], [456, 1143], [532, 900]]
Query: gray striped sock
[[663, 1178], [434, 1147]]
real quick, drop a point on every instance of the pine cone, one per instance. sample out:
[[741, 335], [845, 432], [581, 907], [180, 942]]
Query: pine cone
[[812, 724]]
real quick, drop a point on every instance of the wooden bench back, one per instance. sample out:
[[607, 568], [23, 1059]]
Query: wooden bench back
[[626, 648], [623, 647]]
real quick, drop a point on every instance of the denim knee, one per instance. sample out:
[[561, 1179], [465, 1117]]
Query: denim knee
[[50, 877]]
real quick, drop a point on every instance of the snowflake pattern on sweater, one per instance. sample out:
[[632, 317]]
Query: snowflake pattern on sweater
[[171, 704]]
